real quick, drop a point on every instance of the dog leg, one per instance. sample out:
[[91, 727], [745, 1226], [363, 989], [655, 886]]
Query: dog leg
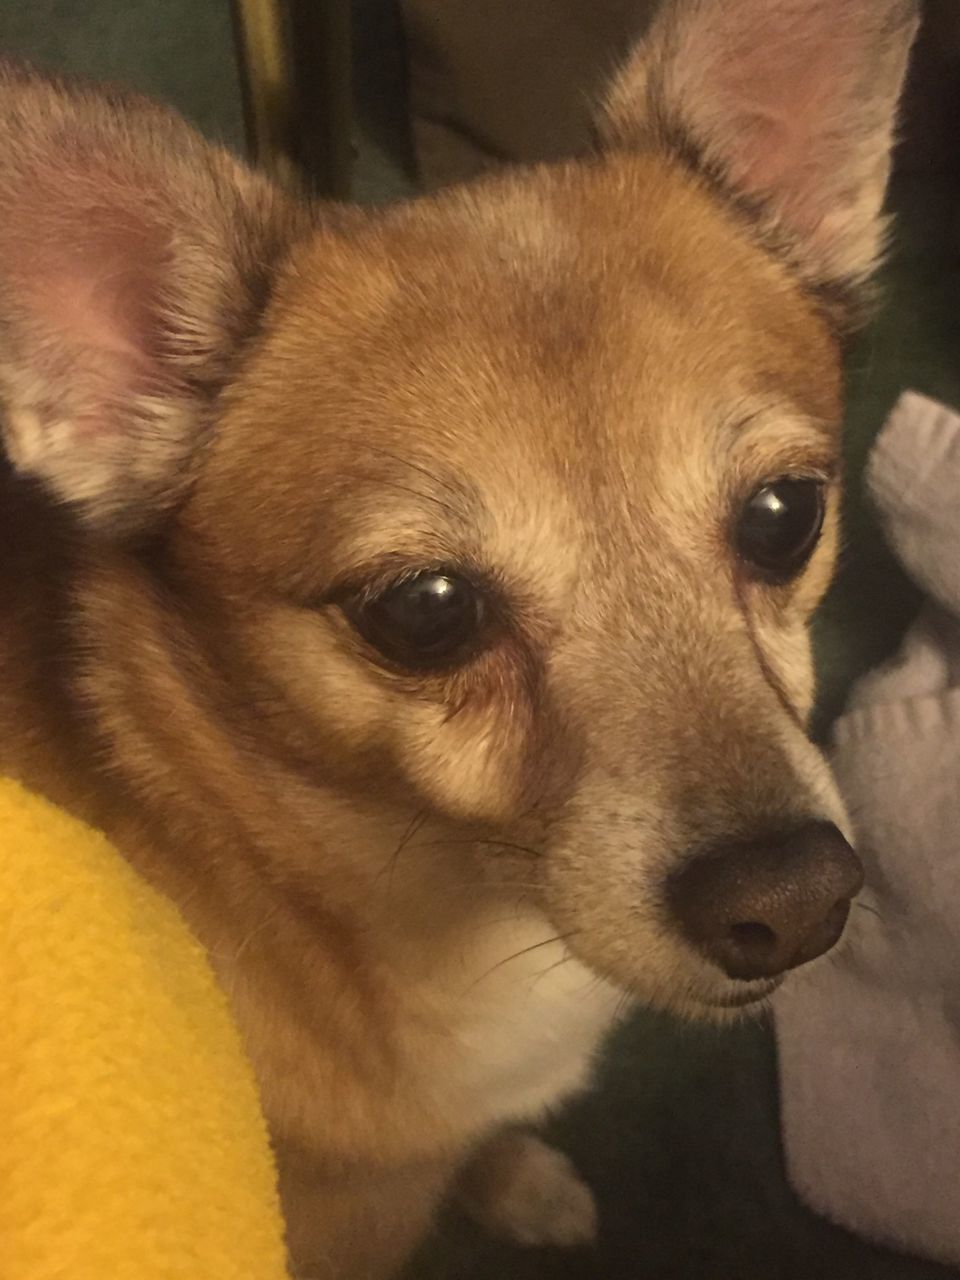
[[519, 1187]]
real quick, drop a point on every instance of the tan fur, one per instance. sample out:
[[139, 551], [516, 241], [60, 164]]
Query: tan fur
[[422, 894]]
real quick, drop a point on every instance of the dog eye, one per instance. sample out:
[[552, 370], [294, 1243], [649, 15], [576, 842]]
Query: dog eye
[[779, 527], [431, 620]]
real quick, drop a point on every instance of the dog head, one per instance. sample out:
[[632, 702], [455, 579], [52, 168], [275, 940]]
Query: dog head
[[509, 506]]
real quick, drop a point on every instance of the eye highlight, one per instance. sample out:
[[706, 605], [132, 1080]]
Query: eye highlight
[[779, 526], [429, 621]]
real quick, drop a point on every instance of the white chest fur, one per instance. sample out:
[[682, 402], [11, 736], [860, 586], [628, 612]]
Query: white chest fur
[[524, 1021]]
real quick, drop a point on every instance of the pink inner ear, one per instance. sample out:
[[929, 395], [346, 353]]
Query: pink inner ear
[[98, 301], [780, 81], [82, 279]]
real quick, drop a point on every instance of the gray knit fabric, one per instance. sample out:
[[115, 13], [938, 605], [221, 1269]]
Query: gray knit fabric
[[869, 1038]]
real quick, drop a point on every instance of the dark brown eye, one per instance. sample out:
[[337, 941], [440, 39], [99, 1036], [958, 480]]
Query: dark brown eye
[[779, 527], [432, 620]]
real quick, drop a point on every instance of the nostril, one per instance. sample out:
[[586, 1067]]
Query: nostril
[[750, 949], [836, 917], [757, 908], [824, 934], [753, 936]]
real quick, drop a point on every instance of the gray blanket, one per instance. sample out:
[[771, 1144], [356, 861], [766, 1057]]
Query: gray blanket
[[869, 1039]]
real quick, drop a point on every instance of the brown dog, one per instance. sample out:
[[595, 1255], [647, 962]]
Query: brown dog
[[420, 598]]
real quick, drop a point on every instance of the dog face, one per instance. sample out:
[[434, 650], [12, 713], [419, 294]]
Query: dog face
[[508, 508]]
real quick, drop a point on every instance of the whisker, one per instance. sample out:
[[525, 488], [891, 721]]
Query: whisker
[[557, 964], [406, 462], [630, 997], [560, 937], [495, 844], [594, 982], [865, 906], [517, 848], [404, 488], [413, 827], [483, 926], [475, 882], [233, 957]]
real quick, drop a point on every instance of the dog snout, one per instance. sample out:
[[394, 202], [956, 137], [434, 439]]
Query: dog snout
[[758, 908]]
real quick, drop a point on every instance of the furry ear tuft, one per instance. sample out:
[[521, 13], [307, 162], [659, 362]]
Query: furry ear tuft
[[134, 259], [789, 105]]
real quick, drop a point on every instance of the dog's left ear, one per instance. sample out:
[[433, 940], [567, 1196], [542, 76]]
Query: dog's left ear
[[789, 106]]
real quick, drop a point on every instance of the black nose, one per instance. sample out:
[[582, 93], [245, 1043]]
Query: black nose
[[760, 907]]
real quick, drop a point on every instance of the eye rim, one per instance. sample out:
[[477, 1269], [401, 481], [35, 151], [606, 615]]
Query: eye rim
[[786, 574], [353, 600]]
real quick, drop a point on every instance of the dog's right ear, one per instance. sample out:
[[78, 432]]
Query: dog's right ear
[[787, 106], [134, 261]]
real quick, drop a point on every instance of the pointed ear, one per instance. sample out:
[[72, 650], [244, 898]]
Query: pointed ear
[[134, 260], [788, 105]]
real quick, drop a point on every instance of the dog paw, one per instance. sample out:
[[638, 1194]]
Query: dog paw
[[520, 1188]]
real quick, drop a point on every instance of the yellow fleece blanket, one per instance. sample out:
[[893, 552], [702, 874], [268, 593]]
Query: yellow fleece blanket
[[131, 1141]]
